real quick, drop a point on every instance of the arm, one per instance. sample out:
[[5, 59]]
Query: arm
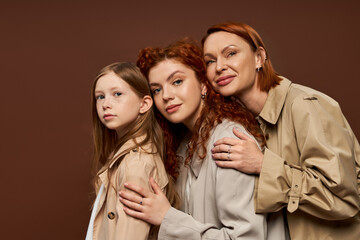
[[233, 195], [234, 206], [324, 182], [235, 209], [137, 168]]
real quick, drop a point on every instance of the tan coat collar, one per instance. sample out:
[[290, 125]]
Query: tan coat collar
[[275, 101], [130, 144]]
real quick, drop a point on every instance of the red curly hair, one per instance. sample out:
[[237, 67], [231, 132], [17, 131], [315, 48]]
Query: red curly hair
[[216, 107], [268, 78]]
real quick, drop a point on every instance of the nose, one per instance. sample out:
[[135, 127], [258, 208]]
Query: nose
[[106, 103], [220, 65], [167, 94]]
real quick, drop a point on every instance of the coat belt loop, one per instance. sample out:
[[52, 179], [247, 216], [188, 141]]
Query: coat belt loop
[[295, 191]]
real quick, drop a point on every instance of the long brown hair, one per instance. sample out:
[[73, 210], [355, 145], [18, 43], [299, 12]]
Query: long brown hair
[[216, 107], [106, 141], [267, 76]]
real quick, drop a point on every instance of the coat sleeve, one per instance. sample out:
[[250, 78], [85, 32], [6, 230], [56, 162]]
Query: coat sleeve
[[324, 182], [234, 206], [137, 169]]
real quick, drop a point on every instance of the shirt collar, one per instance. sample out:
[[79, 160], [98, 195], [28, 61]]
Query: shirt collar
[[196, 165], [275, 101]]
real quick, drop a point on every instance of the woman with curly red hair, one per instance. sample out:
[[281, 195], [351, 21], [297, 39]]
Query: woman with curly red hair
[[217, 203]]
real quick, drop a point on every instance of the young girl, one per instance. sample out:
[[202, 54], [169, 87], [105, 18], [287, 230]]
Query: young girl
[[128, 147], [217, 203]]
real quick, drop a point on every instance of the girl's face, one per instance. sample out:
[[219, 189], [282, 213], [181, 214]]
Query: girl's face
[[117, 104], [177, 92], [231, 64]]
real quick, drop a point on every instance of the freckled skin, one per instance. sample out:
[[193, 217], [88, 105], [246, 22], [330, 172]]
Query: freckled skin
[[115, 97]]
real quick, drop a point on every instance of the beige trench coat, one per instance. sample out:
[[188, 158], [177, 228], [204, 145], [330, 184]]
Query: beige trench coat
[[111, 222], [218, 203], [311, 164]]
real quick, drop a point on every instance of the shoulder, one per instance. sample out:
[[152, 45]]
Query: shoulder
[[143, 161], [139, 156], [225, 129], [298, 94], [302, 101]]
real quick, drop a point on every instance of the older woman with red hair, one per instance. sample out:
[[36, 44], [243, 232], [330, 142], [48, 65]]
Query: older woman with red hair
[[309, 168]]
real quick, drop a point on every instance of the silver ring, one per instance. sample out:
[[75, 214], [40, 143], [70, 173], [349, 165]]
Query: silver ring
[[229, 149], [228, 156]]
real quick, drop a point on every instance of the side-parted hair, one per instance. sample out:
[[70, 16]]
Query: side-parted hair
[[216, 107], [106, 141], [267, 76]]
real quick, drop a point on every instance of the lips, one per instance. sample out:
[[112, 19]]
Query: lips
[[172, 108], [224, 80], [108, 116]]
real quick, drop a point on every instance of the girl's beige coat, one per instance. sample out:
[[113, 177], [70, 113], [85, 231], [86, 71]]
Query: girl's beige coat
[[111, 222]]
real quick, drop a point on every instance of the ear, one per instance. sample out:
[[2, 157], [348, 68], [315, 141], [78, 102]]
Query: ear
[[203, 89], [146, 104], [260, 57]]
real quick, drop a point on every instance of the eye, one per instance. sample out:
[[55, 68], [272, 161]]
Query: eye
[[231, 53], [155, 90], [117, 94], [208, 62], [177, 82], [99, 97]]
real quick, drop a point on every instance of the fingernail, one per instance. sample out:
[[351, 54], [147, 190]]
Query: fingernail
[[120, 193], [126, 184]]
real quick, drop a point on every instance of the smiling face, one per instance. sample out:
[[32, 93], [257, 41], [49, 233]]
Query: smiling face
[[177, 92], [117, 104], [231, 64]]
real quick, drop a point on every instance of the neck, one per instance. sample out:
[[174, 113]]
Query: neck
[[190, 122], [254, 100]]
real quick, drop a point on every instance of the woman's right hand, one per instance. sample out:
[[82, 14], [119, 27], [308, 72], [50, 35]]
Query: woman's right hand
[[151, 207]]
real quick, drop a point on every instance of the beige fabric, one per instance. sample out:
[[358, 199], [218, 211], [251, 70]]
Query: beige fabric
[[111, 222], [220, 202], [311, 164]]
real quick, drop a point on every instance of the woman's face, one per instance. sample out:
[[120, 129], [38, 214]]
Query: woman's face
[[177, 92], [231, 64], [117, 104]]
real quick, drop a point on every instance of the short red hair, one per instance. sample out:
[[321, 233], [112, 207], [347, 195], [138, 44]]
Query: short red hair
[[268, 78], [216, 107]]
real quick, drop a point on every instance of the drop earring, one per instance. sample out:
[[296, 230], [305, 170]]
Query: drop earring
[[203, 95]]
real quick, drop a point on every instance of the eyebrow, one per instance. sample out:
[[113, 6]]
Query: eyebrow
[[111, 89], [168, 78], [222, 51]]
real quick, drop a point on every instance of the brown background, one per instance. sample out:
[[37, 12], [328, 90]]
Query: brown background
[[51, 51]]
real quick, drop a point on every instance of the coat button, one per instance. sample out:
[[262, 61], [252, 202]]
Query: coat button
[[111, 215]]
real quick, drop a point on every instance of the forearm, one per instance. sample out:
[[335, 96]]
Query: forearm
[[234, 210], [306, 188], [179, 225]]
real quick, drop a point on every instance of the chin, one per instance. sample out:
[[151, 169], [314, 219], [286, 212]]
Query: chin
[[226, 92]]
